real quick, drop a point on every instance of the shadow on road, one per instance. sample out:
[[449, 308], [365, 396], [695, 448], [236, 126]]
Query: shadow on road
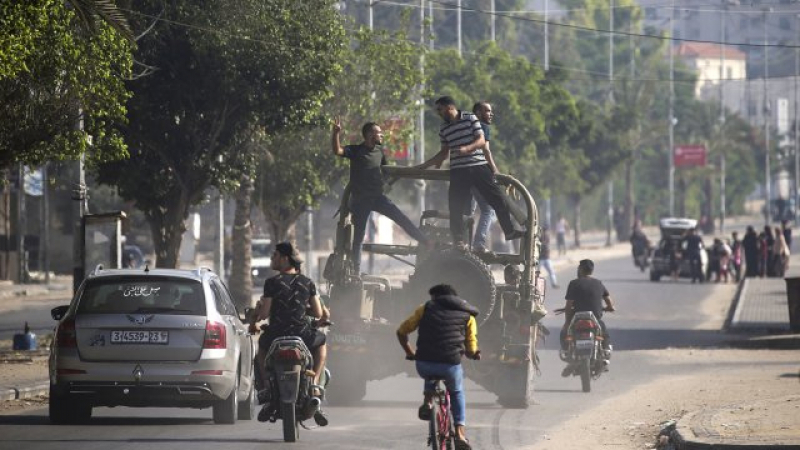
[[657, 339]]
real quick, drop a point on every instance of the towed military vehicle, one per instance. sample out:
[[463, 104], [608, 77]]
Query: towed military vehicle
[[368, 308]]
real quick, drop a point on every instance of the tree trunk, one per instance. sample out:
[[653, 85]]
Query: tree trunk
[[577, 223], [167, 227], [282, 227], [681, 197], [240, 281], [708, 205], [627, 216]]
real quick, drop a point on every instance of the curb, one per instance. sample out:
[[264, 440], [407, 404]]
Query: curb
[[709, 439], [734, 312], [24, 392]]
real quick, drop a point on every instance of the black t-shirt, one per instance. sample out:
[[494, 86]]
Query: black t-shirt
[[291, 295], [366, 178], [693, 244], [587, 294]]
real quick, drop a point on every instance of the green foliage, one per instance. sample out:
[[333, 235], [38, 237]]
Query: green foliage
[[52, 74], [379, 82], [226, 76]]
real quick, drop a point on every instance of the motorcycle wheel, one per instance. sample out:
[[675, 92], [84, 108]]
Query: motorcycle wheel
[[291, 431], [586, 375]]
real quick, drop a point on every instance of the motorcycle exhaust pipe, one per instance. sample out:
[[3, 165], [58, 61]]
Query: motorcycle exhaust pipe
[[313, 406]]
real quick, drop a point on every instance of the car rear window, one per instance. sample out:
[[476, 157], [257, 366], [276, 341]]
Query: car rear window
[[143, 295]]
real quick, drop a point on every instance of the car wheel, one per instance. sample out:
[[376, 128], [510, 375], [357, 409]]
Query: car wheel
[[247, 407], [225, 410], [64, 409]]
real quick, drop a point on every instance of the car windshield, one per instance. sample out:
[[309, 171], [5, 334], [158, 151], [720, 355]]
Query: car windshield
[[262, 250], [127, 295]]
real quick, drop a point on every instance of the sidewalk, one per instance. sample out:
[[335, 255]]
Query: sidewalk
[[761, 311]]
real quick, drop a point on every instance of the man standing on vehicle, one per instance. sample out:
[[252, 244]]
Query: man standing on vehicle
[[586, 293], [287, 297], [483, 110], [366, 185], [462, 140], [446, 331]]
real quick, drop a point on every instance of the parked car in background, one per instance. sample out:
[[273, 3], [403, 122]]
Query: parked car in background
[[673, 232], [261, 260], [143, 338]]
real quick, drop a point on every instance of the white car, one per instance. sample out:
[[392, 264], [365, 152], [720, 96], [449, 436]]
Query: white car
[[673, 231], [261, 259], [142, 338]]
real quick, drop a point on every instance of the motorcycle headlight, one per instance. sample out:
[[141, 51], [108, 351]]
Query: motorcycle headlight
[[254, 272]]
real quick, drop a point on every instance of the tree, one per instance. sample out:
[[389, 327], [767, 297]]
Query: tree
[[224, 75], [379, 83], [55, 75]]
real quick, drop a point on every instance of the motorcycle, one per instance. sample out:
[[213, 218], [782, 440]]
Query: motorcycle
[[585, 353], [289, 391]]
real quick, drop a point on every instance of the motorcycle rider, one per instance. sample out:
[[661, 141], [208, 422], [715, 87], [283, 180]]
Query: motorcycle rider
[[446, 330], [586, 293], [287, 297]]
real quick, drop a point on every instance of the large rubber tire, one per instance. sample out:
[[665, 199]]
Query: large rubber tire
[[224, 411], [345, 391], [654, 276], [470, 276], [64, 409], [247, 407], [586, 375], [291, 429]]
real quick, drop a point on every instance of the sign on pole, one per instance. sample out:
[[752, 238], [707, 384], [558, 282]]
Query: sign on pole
[[690, 155]]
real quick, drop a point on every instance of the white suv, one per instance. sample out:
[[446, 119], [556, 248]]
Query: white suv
[[161, 337]]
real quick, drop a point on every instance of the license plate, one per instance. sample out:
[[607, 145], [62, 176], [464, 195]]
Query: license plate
[[583, 345], [140, 337]]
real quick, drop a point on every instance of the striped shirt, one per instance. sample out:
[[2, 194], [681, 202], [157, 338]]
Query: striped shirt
[[462, 131]]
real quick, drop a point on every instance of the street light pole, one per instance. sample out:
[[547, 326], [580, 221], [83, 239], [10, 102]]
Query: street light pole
[[493, 17], [766, 112], [610, 223], [796, 135], [458, 25], [671, 118], [546, 36]]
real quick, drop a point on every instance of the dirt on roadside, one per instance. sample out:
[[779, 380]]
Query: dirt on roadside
[[723, 377]]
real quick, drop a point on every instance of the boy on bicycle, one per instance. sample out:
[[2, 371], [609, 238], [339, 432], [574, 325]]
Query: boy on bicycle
[[446, 330]]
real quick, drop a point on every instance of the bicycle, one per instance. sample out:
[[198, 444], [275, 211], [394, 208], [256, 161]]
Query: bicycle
[[441, 431]]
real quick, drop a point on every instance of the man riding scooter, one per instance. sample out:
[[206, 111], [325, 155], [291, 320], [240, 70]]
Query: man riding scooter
[[640, 247]]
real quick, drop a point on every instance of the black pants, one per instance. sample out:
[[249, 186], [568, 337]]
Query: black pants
[[361, 209], [481, 178], [696, 268]]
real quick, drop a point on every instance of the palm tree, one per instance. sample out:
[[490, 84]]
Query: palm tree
[[106, 10]]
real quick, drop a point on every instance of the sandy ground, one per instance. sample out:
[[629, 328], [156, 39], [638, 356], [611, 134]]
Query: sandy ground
[[723, 378]]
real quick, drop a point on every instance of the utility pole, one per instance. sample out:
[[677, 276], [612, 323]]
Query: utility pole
[[369, 15], [722, 77], [611, 99], [458, 25], [430, 25], [22, 260], [767, 176], [44, 243], [419, 154], [671, 118], [796, 135], [546, 36], [493, 19]]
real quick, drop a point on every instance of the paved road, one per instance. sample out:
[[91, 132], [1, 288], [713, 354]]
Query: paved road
[[651, 316]]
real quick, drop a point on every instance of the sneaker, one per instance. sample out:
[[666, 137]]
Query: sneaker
[[263, 415], [567, 371], [263, 396], [516, 234], [320, 418], [425, 412], [462, 444]]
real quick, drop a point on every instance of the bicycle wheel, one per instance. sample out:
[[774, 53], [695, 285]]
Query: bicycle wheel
[[433, 428], [450, 437]]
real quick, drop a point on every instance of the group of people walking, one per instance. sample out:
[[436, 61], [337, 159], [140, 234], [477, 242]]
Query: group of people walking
[[766, 254]]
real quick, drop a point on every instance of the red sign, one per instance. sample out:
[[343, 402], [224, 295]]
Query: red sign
[[689, 155]]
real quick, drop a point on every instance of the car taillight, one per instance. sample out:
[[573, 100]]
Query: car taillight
[[584, 325], [215, 335], [65, 336], [292, 354]]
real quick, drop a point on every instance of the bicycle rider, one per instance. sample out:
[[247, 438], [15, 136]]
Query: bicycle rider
[[446, 330], [586, 293]]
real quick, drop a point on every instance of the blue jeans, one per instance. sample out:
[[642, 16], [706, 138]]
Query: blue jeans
[[484, 222], [361, 209], [453, 376], [548, 266]]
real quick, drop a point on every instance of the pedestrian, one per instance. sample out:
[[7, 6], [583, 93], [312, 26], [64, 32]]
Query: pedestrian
[[694, 244], [544, 257], [780, 254], [484, 112], [751, 252], [367, 187], [462, 140], [786, 229], [562, 228], [736, 256], [672, 250], [766, 252]]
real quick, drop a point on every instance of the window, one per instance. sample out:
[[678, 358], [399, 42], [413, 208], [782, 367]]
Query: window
[[129, 295], [784, 23], [223, 300], [651, 13]]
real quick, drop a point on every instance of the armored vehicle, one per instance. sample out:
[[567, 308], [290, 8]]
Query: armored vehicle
[[369, 307]]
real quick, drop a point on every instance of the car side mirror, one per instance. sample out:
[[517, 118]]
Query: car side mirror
[[59, 312]]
